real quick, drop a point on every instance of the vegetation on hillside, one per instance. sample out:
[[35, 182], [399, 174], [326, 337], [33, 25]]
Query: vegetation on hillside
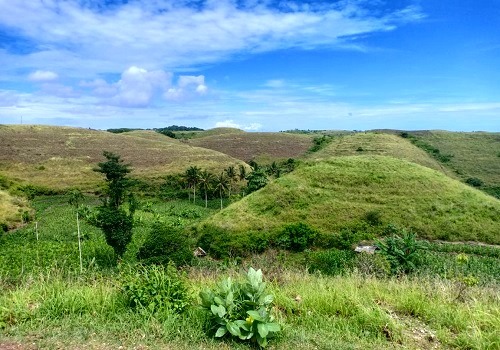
[[338, 193]]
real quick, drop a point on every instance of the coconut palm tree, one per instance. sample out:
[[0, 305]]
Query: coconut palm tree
[[231, 175], [221, 185], [192, 178], [206, 179]]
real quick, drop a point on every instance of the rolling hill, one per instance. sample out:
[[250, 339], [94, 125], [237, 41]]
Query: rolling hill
[[332, 194], [262, 147], [63, 157], [370, 143], [474, 155]]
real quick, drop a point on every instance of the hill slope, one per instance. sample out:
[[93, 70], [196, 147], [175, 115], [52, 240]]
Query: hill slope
[[475, 154], [333, 194], [260, 146], [378, 144], [11, 209], [62, 157]]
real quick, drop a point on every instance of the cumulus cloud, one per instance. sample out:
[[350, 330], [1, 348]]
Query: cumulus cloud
[[43, 76], [187, 87], [232, 124]]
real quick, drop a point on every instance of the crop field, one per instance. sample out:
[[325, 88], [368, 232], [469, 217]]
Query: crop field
[[280, 270]]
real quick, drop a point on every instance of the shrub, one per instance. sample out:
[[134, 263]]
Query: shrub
[[4, 227], [154, 288], [474, 182], [403, 253], [345, 239], [165, 244], [373, 217], [296, 237], [241, 309], [331, 262], [372, 265], [219, 243]]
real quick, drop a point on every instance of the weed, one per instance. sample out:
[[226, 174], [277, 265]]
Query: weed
[[331, 262]]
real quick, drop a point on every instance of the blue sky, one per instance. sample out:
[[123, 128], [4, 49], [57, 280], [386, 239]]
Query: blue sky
[[259, 65]]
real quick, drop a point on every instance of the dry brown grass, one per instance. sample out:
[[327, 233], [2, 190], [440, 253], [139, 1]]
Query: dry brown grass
[[258, 146], [10, 208], [63, 157]]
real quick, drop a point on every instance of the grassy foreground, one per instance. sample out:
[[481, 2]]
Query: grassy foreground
[[349, 312]]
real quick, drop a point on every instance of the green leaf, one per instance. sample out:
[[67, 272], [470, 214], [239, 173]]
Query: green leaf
[[261, 341], [262, 329], [273, 327], [221, 332], [266, 299], [218, 310], [233, 329], [255, 315]]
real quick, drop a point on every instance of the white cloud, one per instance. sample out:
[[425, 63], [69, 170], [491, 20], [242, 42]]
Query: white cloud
[[187, 87], [43, 76], [232, 124], [83, 40]]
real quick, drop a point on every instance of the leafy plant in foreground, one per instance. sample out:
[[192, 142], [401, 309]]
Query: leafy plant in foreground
[[241, 309], [403, 253]]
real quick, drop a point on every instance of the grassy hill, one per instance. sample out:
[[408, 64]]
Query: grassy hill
[[475, 154], [332, 194], [378, 144], [63, 157], [259, 146]]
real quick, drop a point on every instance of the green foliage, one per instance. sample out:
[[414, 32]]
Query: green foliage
[[296, 237], [117, 225], [31, 191], [111, 217], [433, 151], [256, 180], [4, 227], [320, 142], [375, 265], [165, 244], [220, 243], [403, 253], [345, 239], [155, 288], [331, 262], [241, 309], [173, 187], [121, 130], [373, 217], [117, 181], [474, 182]]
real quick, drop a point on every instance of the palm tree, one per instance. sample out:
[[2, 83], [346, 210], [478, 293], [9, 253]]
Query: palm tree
[[192, 177], [231, 175], [221, 184], [243, 172], [206, 180]]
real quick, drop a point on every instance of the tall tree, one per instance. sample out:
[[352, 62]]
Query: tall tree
[[232, 176], [192, 178], [206, 179], [221, 185], [112, 218], [243, 172]]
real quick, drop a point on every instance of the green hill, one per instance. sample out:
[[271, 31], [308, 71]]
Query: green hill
[[474, 155], [63, 157], [378, 144], [332, 194], [262, 147]]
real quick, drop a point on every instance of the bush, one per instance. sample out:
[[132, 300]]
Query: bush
[[155, 288], [241, 309], [4, 227], [219, 243], [331, 262], [403, 253], [373, 217], [372, 265], [345, 239], [165, 244], [474, 182], [296, 237]]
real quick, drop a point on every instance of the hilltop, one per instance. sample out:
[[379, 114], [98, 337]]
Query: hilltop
[[371, 143], [333, 194], [63, 157]]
